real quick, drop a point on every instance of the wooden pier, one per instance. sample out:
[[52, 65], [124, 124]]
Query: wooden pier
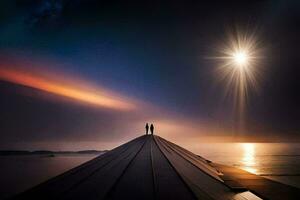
[[150, 167]]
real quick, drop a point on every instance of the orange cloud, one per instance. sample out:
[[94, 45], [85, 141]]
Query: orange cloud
[[98, 97]]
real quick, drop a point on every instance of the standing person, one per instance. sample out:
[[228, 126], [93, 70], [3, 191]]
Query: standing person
[[152, 129], [147, 128]]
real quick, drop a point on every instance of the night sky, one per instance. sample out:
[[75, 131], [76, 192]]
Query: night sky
[[88, 74]]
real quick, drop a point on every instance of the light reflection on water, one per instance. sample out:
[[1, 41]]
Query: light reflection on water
[[276, 161], [258, 158], [249, 159]]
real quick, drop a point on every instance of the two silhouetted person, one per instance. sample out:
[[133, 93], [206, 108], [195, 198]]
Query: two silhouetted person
[[151, 128]]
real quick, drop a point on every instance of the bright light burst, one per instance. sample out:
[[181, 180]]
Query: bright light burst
[[239, 67], [241, 58]]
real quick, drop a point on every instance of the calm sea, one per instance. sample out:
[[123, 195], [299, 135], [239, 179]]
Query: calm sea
[[277, 161]]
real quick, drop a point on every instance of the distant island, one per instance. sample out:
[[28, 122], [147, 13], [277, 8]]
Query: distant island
[[46, 152]]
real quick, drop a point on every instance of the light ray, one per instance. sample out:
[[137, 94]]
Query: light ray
[[239, 68], [97, 97]]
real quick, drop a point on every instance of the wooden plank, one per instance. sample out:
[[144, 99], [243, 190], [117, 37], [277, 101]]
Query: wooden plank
[[195, 160], [203, 185], [262, 187], [168, 183], [137, 181]]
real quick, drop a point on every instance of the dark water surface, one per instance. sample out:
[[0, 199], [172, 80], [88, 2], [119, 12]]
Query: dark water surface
[[19, 173], [277, 161]]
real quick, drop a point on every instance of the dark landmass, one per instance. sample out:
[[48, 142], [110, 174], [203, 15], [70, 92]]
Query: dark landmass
[[46, 152]]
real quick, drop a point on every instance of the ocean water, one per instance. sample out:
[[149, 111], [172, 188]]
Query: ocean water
[[277, 161], [19, 173]]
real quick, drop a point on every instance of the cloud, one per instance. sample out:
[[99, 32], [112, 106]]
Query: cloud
[[41, 81]]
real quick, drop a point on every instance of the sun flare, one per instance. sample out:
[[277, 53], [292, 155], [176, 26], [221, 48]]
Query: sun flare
[[241, 58], [239, 68]]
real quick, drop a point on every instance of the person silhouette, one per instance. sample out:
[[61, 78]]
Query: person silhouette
[[147, 128], [152, 129]]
